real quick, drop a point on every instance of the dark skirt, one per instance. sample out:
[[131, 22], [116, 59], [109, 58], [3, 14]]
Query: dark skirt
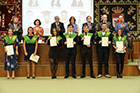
[[54, 52], [30, 48]]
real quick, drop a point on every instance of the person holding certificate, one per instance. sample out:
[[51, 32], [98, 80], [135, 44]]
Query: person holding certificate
[[38, 31], [87, 41], [103, 41], [70, 42], [30, 46], [11, 51], [120, 44], [55, 42]]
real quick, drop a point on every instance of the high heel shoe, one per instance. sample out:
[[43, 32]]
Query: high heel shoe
[[8, 77], [33, 77], [118, 75], [121, 75], [28, 77], [13, 77]]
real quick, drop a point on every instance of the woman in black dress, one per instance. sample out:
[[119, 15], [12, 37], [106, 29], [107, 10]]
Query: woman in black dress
[[54, 52], [30, 46]]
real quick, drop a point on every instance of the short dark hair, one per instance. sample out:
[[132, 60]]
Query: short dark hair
[[70, 25], [121, 32], [88, 16], [55, 30], [37, 20], [104, 23], [29, 28], [71, 19], [85, 26]]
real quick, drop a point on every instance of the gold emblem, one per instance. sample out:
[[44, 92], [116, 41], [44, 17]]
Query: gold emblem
[[58, 38], [34, 38], [122, 39], [14, 38], [67, 36], [107, 33]]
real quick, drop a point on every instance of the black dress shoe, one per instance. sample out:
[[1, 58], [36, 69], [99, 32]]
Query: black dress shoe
[[66, 77], [74, 76], [83, 76], [55, 77], [28, 77], [118, 75], [121, 75], [33, 77], [92, 76], [52, 77]]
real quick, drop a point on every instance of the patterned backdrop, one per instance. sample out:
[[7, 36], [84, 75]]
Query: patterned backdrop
[[8, 9], [113, 8]]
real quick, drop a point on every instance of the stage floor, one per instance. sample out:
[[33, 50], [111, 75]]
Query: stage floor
[[60, 85]]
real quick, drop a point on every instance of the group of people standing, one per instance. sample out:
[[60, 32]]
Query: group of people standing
[[30, 45]]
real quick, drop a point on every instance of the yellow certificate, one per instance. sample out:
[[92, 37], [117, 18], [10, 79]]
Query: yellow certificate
[[87, 40], [53, 41], [104, 41], [34, 58], [70, 43], [120, 46], [10, 50]]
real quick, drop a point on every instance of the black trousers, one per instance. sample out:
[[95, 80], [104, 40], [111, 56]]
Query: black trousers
[[70, 53], [103, 55], [120, 60], [88, 52]]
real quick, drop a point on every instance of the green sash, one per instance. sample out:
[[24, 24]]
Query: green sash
[[73, 35], [58, 38], [30, 41], [107, 33], [89, 34], [117, 39], [10, 41]]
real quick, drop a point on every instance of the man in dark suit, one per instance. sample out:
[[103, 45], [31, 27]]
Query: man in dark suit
[[91, 25], [103, 51], [70, 52], [87, 50], [109, 25], [58, 25], [17, 28]]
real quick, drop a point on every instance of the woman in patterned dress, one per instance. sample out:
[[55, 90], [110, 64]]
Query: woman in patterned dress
[[10, 63]]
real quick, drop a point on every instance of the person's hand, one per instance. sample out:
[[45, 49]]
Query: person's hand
[[26, 53], [100, 42], [74, 43], [6, 51], [82, 38], [58, 28], [88, 45], [90, 27], [34, 53], [16, 28], [95, 43], [75, 31], [109, 42], [108, 29], [124, 48], [57, 42], [116, 48], [124, 26], [16, 52], [65, 43], [49, 38]]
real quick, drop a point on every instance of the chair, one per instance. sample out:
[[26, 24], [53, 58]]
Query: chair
[[131, 49]]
